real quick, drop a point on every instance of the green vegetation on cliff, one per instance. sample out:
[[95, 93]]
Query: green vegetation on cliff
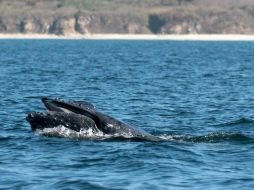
[[127, 16]]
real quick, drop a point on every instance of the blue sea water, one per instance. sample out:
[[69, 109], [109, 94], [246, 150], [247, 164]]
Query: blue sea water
[[197, 96]]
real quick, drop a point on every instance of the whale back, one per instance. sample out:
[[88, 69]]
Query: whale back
[[84, 105]]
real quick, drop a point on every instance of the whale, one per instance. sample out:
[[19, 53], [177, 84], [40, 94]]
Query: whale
[[82, 116]]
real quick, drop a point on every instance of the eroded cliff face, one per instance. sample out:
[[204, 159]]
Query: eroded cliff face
[[174, 22], [82, 23], [220, 22], [63, 17]]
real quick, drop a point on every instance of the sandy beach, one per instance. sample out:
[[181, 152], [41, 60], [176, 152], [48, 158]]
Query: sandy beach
[[190, 37]]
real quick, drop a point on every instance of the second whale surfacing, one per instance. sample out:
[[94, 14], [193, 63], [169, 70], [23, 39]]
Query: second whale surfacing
[[81, 116]]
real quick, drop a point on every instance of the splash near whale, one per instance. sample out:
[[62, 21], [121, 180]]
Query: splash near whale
[[81, 119]]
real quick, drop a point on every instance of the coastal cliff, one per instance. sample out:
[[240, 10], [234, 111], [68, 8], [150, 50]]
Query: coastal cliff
[[132, 17]]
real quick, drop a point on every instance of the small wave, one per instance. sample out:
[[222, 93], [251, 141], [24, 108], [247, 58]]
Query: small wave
[[210, 138], [241, 121], [5, 138], [89, 134], [220, 137], [77, 184]]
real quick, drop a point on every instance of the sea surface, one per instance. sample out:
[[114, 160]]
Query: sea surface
[[196, 96]]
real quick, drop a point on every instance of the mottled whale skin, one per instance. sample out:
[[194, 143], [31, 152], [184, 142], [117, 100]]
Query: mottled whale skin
[[77, 115]]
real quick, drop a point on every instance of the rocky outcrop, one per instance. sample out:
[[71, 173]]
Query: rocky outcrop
[[24, 25], [9, 24], [2, 26], [201, 22], [27, 26], [82, 23], [107, 23], [63, 26], [227, 22], [174, 24]]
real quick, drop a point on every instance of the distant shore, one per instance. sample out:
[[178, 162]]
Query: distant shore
[[184, 37]]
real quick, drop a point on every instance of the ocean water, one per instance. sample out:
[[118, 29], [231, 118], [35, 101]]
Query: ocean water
[[197, 96]]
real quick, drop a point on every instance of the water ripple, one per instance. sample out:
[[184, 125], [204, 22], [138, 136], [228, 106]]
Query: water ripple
[[196, 96]]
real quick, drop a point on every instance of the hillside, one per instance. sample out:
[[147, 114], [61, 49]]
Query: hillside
[[64, 17]]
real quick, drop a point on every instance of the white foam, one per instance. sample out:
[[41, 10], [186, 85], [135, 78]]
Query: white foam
[[62, 131], [171, 137]]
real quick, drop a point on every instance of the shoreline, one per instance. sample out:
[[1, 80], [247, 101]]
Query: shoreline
[[173, 37]]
